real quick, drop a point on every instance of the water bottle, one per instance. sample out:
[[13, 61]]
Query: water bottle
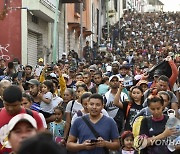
[[172, 145], [173, 122]]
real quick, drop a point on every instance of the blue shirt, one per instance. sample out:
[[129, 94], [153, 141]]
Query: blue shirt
[[105, 127]]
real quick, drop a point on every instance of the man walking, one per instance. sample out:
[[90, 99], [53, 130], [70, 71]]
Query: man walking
[[12, 97], [89, 143]]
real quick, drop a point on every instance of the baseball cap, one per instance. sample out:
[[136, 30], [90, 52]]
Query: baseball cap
[[92, 68], [125, 66], [33, 82], [114, 76], [116, 62], [50, 68], [21, 117], [40, 60], [53, 75], [64, 54], [137, 77], [72, 69], [81, 63]]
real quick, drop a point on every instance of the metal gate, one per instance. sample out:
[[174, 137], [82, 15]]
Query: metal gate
[[32, 48]]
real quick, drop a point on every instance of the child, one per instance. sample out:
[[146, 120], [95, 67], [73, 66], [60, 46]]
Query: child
[[154, 127], [26, 101], [57, 127], [127, 141], [130, 108], [46, 96]]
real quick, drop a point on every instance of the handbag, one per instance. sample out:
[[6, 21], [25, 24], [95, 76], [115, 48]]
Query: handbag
[[96, 134]]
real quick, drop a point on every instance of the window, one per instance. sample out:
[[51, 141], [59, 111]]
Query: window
[[124, 4]]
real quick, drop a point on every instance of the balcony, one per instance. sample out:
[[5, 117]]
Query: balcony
[[71, 1], [44, 9]]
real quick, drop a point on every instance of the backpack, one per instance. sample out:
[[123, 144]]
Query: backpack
[[136, 126]]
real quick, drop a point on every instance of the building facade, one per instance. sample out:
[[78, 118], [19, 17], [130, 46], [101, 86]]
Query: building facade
[[37, 30], [32, 22]]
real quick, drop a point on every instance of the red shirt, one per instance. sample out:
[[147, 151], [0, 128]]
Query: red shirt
[[5, 117]]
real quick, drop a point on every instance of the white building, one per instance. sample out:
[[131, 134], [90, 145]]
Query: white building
[[152, 5], [37, 30]]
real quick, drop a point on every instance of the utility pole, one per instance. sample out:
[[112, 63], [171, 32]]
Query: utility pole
[[99, 25], [119, 19], [81, 32], [107, 13], [55, 31]]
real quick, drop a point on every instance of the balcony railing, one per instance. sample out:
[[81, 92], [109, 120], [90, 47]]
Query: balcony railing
[[48, 4]]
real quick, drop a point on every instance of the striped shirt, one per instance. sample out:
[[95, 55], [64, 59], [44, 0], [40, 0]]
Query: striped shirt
[[35, 106]]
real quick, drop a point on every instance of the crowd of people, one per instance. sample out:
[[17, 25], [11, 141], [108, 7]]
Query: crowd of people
[[103, 103]]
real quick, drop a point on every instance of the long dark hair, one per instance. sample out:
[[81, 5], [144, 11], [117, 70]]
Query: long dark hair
[[49, 85], [136, 87]]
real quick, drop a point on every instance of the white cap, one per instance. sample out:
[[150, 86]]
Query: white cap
[[21, 117], [64, 53], [53, 75], [114, 76], [137, 77]]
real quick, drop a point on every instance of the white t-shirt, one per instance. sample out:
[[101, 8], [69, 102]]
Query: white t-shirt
[[47, 107], [76, 107], [56, 100], [111, 108], [38, 69]]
